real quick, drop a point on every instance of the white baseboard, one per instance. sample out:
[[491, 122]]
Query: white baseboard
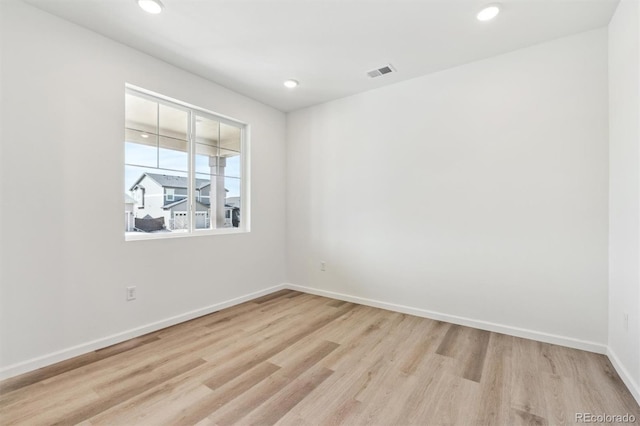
[[624, 375], [64, 354], [469, 322]]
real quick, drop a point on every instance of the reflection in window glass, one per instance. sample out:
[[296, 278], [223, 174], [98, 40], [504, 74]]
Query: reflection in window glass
[[141, 114], [173, 122], [207, 131], [140, 155], [230, 137], [205, 161]]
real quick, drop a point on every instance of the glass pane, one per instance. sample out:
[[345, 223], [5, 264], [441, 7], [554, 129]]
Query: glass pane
[[157, 167], [207, 131], [143, 138], [179, 220], [203, 202], [230, 137], [155, 200], [203, 189], [139, 154], [173, 122], [231, 163], [206, 156], [175, 195], [233, 201], [232, 185], [212, 195], [173, 154], [141, 114], [132, 199], [174, 144], [131, 176]]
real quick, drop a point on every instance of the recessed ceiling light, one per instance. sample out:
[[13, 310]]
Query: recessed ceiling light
[[291, 83], [151, 6], [144, 135], [489, 12]]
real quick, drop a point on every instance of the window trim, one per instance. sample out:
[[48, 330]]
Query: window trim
[[192, 110]]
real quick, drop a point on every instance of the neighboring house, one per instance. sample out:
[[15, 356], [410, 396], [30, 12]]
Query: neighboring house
[[158, 195], [177, 212], [129, 212], [129, 203], [232, 211], [232, 202]]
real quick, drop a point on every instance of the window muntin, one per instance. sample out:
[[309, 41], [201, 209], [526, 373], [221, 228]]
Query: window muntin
[[183, 168]]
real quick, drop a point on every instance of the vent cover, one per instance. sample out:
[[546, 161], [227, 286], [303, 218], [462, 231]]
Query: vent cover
[[381, 71]]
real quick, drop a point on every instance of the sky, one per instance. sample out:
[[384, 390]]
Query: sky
[[144, 158]]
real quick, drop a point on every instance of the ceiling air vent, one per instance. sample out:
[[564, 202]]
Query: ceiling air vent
[[381, 71]]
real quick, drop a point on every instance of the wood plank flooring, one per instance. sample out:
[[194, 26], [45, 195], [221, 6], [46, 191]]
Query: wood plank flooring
[[291, 358]]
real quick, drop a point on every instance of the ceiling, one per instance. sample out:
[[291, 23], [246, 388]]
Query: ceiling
[[252, 46]]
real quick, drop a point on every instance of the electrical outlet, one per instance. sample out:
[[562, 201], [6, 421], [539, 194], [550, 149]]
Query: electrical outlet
[[625, 321], [323, 265], [131, 293]]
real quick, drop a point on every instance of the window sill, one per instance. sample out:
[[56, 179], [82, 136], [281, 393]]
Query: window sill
[[142, 236]]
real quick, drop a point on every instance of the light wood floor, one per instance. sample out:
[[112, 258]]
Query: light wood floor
[[297, 359]]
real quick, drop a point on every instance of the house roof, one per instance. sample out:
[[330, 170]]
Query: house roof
[[171, 181], [128, 199]]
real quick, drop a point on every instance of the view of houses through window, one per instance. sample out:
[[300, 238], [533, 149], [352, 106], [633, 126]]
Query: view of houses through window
[[183, 168]]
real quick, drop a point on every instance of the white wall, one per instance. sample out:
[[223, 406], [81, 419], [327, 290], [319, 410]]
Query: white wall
[[624, 190], [477, 194], [65, 264]]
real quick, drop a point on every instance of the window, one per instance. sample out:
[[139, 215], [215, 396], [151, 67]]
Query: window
[[184, 168]]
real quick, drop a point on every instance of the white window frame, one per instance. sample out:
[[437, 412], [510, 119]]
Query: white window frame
[[192, 110]]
